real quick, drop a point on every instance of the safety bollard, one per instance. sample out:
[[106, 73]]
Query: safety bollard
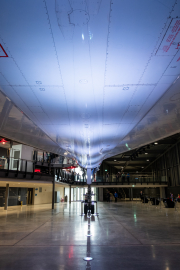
[[96, 209], [82, 214]]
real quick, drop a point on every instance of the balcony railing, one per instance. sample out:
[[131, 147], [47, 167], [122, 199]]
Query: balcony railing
[[21, 168]]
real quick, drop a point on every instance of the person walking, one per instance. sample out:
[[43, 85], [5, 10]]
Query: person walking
[[115, 196]]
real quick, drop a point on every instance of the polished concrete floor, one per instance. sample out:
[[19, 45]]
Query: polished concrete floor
[[126, 235]]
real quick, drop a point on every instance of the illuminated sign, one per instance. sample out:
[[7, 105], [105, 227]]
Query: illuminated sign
[[37, 170]]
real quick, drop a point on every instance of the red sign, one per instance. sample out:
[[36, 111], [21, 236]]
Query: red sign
[[2, 52], [70, 167], [37, 170]]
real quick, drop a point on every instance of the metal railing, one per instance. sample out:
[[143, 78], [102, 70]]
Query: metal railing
[[21, 168], [132, 179]]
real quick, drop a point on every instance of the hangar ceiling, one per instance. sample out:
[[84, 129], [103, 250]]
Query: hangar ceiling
[[97, 78]]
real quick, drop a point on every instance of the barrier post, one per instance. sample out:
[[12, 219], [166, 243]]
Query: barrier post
[[96, 209]]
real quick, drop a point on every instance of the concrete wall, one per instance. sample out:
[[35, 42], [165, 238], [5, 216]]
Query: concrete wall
[[46, 195]]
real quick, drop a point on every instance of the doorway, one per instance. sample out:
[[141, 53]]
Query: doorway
[[30, 196]]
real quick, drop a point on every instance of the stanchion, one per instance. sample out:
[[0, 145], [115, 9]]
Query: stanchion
[[82, 214], [96, 214]]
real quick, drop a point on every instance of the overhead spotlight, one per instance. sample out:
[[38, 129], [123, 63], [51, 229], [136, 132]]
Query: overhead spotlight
[[147, 160], [146, 153], [156, 143]]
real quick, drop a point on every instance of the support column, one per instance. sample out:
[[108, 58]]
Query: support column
[[101, 194], [76, 194], [70, 194], [162, 192], [53, 192], [6, 197], [89, 176]]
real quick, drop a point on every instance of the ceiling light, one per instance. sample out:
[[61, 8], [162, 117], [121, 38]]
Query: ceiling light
[[156, 143], [146, 153], [115, 160], [147, 160]]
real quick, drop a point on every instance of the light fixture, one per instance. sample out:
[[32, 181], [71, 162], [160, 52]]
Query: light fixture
[[88, 259], [146, 153], [147, 160], [115, 160], [3, 141], [156, 143]]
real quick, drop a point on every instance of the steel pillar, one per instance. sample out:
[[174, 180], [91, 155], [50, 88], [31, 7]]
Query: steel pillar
[[89, 176], [70, 194], [6, 197], [53, 192]]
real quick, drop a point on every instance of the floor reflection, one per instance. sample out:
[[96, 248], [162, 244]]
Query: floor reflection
[[88, 258]]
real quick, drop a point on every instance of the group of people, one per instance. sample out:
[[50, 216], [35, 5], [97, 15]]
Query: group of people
[[122, 176], [176, 198], [111, 197]]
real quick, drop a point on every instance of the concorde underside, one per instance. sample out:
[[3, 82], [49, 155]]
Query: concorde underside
[[89, 79]]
